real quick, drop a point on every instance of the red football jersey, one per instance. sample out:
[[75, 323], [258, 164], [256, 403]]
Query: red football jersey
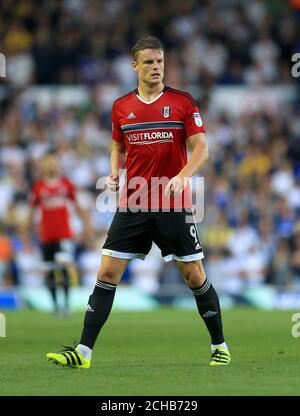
[[154, 134], [53, 198]]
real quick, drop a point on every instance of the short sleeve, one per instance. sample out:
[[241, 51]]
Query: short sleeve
[[117, 134], [193, 123], [34, 198], [71, 190]]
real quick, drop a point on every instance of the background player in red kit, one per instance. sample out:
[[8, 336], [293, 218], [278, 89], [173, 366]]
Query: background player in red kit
[[151, 128], [52, 194]]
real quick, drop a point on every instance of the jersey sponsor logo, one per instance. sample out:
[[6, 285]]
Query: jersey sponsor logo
[[155, 136], [166, 111], [54, 201], [197, 119], [131, 115], [61, 190]]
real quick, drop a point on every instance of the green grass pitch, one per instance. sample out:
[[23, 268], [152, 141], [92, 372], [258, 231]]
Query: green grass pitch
[[164, 352]]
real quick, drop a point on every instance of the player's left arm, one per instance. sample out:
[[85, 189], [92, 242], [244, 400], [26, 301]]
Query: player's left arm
[[33, 203], [199, 155], [84, 216], [81, 212]]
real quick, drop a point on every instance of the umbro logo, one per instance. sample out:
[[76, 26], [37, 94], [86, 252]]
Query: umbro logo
[[131, 115], [89, 309], [209, 314]]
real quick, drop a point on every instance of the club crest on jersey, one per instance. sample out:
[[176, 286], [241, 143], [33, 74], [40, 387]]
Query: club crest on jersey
[[166, 111], [197, 118]]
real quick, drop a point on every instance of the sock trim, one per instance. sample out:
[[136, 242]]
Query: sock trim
[[202, 289], [223, 345], [103, 285], [85, 351]]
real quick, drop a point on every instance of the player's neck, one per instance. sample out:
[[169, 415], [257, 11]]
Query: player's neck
[[150, 92], [51, 178]]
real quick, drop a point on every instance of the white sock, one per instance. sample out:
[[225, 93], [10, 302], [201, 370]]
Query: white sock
[[223, 345], [85, 351]]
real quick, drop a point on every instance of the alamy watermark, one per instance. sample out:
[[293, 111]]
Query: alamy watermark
[[2, 325], [2, 66], [296, 326], [296, 67], [138, 194]]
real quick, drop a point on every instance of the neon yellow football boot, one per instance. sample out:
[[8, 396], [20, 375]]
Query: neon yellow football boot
[[69, 357], [220, 356]]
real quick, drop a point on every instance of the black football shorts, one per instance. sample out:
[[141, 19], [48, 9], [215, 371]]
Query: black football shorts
[[61, 251], [131, 235]]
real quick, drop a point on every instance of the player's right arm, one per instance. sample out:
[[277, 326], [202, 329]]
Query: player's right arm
[[33, 203], [117, 162], [29, 222], [118, 154]]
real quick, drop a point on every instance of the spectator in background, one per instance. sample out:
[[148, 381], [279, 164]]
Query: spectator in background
[[253, 267], [145, 274], [295, 253], [281, 271], [5, 257], [28, 260], [88, 260], [255, 163], [244, 237], [218, 234], [17, 43]]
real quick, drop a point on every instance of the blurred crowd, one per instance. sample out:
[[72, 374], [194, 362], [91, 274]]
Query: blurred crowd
[[251, 226], [89, 41]]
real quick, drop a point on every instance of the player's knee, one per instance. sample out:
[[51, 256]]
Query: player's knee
[[195, 279], [193, 275], [107, 276]]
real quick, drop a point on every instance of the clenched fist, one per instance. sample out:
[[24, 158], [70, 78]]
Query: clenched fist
[[175, 186], [113, 182]]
